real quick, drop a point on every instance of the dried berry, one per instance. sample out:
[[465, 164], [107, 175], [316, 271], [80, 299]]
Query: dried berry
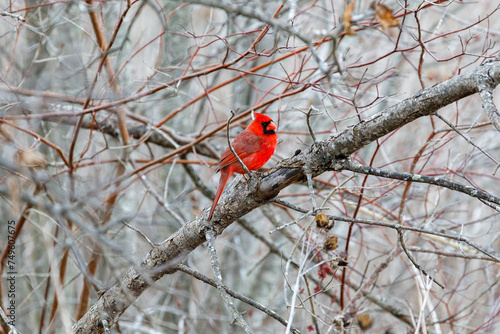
[[365, 321], [322, 221], [330, 243]]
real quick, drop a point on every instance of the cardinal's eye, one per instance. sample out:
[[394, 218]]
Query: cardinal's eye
[[265, 124]]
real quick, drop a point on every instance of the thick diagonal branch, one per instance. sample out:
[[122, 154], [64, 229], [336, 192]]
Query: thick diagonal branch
[[321, 157]]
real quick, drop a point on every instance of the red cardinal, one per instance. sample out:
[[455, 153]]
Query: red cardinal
[[255, 146]]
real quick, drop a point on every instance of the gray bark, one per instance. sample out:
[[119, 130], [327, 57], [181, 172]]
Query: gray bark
[[321, 157]]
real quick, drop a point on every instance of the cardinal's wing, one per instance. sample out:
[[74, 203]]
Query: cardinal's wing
[[245, 144]]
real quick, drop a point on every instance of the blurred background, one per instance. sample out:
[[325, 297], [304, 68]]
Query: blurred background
[[113, 113]]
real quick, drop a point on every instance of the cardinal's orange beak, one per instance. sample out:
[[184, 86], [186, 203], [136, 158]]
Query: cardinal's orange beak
[[271, 126]]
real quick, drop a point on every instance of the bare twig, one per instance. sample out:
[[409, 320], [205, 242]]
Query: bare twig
[[471, 191], [206, 191], [159, 199], [17, 17], [396, 312], [311, 303], [451, 254], [412, 260], [289, 205], [308, 119], [466, 138], [363, 289], [311, 190], [416, 229], [245, 168], [152, 244], [292, 222], [236, 295], [220, 286], [253, 13]]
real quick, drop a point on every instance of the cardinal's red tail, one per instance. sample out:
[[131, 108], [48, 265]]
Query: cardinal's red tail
[[225, 174]]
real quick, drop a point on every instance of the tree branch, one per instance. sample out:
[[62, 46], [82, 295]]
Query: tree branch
[[236, 295], [471, 191], [412, 260], [237, 317], [322, 156], [18, 17]]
